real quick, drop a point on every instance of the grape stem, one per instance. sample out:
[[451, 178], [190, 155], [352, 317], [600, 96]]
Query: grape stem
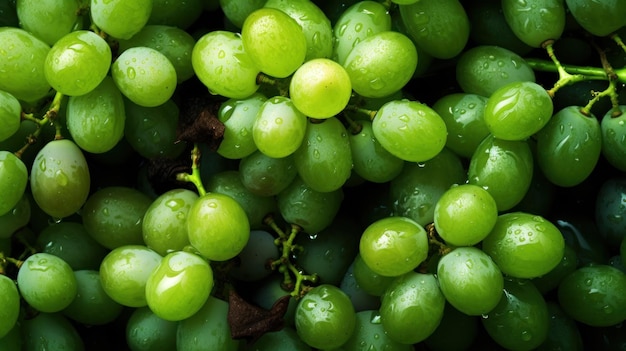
[[611, 92], [194, 178], [282, 85], [49, 117], [369, 113], [565, 78], [618, 40]]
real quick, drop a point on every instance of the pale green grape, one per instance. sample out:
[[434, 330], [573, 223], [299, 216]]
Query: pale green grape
[[238, 116], [370, 159], [410, 130], [118, 18], [10, 305], [381, 64], [49, 20], [320, 88], [77, 63], [13, 181], [279, 127], [223, 66], [22, 64], [274, 41], [96, 119], [324, 159], [236, 11], [145, 76], [10, 111], [47, 283], [92, 306]]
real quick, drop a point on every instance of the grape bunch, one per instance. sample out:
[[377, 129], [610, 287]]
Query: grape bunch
[[312, 175]]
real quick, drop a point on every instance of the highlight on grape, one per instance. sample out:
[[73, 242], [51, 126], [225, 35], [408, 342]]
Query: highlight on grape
[[230, 175]]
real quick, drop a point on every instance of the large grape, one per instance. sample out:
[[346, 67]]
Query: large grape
[[598, 17], [49, 20], [120, 19], [535, 21]]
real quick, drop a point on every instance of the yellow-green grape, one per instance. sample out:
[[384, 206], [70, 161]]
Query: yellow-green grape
[[119, 18], [49, 20]]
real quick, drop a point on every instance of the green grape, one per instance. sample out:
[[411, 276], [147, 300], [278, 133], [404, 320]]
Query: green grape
[[145, 331], [470, 280], [50, 331], [145, 76], [569, 147], [12, 341], [520, 320], [609, 211], [594, 295], [22, 64], [484, 69], [312, 210], [535, 21], [10, 303], [179, 286], [275, 42], [463, 327], [440, 28], [524, 245], [174, 13], [267, 176], [92, 306], [164, 222], [252, 260], [370, 281], [173, 42], [10, 113], [238, 116], [96, 119], [357, 22], [223, 66], [285, 339], [463, 115], [77, 63], [16, 218], [517, 110], [236, 11], [614, 137], [369, 334], [124, 273], [325, 318], [113, 216], [120, 19], [13, 181], [360, 298], [49, 20], [152, 131], [207, 330], [488, 27], [279, 127], [465, 214], [563, 333], [320, 88], [324, 159], [255, 206], [393, 246], [552, 279], [504, 168], [381, 64], [314, 23], [229, 230], [59, 178], [599, 18], [370, 159], [416, 190], [70, 242], [46, 282], [412, 307], [410, 130]]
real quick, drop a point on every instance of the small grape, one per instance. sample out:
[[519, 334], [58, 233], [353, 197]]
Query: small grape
[[120, 19], [47, 283]]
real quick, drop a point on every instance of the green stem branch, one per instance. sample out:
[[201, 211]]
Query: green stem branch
[[194, 177]]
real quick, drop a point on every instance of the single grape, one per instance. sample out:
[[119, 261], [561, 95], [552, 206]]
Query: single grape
[[16, 218], [223, 66], [124, 273], [324, 159], [59, 178], [208, 329], [50, 331], [412, 308], [92, 306], [325, 318], [77, 63], [599, 18], [266, 176], [10, 111], [279, 127], [535, 21], [236, 11], [238, 116], [71, 242], [563, 332], [49, 20], [253, 259], [229, 230], [120, 19], [145, 331], [524, 245], [517, 110], [613, 127], [175, 14], [361, 300], [275, 42], [609, 211], [410, 130], [320, 88], [285, 339], [47, 283], [145, 76], [370, 281], [470, 280], [465, 214], [13, 181], [381, 64], [393, 246], [10, 303]]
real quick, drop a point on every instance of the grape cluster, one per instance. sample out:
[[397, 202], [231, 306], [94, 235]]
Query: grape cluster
[[312, 175]]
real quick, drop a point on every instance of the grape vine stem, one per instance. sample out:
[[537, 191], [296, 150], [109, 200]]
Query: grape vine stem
[[194, 178]]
